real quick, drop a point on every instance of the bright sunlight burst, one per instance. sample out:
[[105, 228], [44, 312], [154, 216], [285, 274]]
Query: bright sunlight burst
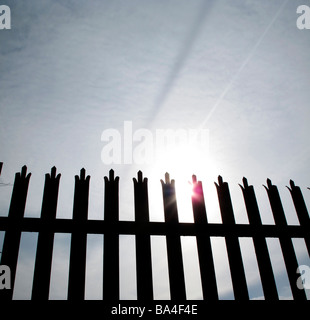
[[181, 162]]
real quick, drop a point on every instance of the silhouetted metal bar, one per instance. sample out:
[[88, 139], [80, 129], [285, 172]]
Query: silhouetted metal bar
[[155, 228], [111, 227], [12, 236], [174, 249], [301, 210], [77, 267], [43, 264], [204, 248], [143, 241], [111, 239], [260, 244], [285, 242], [232, 243]]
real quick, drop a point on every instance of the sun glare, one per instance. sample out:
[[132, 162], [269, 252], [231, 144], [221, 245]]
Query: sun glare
[[182, 162]]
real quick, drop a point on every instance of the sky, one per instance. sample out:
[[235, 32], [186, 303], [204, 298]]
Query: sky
[[239, 70]]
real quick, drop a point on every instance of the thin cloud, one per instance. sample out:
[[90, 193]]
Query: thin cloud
[[243, 65], [204, 10]]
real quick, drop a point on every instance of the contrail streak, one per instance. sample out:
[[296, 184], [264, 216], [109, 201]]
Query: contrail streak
[[206, 7], [245, 62]]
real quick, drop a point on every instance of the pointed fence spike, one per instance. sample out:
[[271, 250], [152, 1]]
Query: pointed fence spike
[[292, 186], [269, 183], [167, 178], [53, 172], [82, 174], [220, 180], [111, 175], [140, 176], [245, 182], [24, 171]]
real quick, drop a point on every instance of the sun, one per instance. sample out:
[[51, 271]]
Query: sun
[[182, 162]]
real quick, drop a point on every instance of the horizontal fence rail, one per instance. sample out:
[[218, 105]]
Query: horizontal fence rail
[[80, 226]]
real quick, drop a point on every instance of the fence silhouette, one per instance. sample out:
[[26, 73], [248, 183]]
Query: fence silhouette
[[79, 226]]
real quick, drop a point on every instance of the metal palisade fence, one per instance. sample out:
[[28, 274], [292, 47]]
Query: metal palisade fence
[[111, 227]]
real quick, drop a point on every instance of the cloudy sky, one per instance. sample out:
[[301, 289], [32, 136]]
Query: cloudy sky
[[240, 70]]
